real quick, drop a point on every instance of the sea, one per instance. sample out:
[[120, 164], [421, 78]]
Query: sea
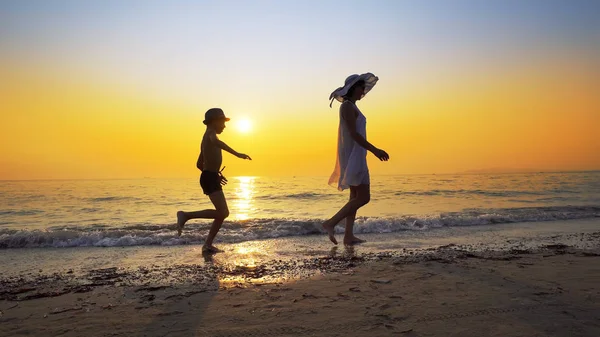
[[52, 220], [105, 213]]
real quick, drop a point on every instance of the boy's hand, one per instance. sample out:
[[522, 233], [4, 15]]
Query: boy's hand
[[222, 179], [382, 155], [243, 156]]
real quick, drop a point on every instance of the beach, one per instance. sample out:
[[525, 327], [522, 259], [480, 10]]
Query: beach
[[188, 168], [526, 285], [445, 255]]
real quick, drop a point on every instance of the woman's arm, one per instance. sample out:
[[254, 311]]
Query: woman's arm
[[349, 115]]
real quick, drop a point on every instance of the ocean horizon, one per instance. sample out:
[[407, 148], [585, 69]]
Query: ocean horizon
[[491, 171]]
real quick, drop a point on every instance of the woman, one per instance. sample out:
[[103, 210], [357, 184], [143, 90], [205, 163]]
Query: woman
[[351, 171]]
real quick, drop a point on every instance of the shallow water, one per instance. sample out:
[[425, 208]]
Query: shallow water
[[36, 261], [106, 213]]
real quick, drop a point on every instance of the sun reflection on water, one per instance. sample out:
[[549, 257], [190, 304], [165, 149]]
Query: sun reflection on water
[[246, 265], [243, 204], [246, 256]]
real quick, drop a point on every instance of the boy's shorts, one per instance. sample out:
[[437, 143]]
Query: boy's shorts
[[210, 182]]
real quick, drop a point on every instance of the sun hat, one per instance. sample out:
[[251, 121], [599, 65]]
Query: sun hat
[[370, 81], [214, 114]]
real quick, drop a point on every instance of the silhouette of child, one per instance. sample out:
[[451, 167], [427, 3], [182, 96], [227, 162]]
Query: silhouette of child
[[211, 179]]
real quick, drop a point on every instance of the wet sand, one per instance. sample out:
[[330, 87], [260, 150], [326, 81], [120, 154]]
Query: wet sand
[[81, 260], [448, 290]]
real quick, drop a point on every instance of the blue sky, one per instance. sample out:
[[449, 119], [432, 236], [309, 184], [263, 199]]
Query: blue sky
[[181, 43]]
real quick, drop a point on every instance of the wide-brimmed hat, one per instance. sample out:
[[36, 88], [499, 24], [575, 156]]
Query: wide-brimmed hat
[[339, 93], [214, 114]]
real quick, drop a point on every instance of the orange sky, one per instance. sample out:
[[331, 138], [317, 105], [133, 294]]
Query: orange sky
[[53, 127], [128, 109]]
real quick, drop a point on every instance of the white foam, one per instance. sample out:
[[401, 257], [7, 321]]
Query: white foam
[[238, 231]]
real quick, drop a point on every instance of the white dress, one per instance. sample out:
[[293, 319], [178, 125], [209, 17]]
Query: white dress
[[351, 161]]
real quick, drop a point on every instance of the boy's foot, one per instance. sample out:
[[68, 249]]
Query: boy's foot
[[210, 249], [181, 219], [353, 241], [330, 228]]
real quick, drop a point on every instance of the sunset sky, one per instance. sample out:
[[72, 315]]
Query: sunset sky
[[118, 89]]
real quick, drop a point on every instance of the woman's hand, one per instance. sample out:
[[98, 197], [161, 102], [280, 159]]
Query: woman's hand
[[382, 155]]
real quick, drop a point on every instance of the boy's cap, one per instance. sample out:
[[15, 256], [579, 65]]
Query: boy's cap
[[213, 115]]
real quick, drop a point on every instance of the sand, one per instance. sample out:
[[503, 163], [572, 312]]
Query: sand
[[451, 290]]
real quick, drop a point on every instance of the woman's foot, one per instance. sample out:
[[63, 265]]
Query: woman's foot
[[181, 219], [330, 228], [210, 249], [353, 241]]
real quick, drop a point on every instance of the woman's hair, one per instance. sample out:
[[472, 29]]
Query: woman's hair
[[351, 90]]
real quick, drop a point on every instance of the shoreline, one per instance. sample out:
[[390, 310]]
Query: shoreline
[[448, 290], [210, 275], [79, 261], [522, 279]]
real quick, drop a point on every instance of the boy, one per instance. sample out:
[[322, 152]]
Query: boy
[[211, 179]]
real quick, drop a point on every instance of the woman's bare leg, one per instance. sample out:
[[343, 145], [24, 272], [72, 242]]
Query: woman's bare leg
[[349, 238], [362, 198]]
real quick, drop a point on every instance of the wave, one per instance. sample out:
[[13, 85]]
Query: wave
[[463, 192], [21, 212], [238, 231], [111, 198], [306, 195]]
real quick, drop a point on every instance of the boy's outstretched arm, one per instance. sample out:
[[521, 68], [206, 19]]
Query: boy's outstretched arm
[[226, 147]]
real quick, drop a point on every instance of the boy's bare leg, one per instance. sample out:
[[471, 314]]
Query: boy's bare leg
[[349, 238], [362, 198], [222, 212], [183, 217]]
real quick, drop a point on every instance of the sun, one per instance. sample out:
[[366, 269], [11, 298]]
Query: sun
[[244, 125]]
